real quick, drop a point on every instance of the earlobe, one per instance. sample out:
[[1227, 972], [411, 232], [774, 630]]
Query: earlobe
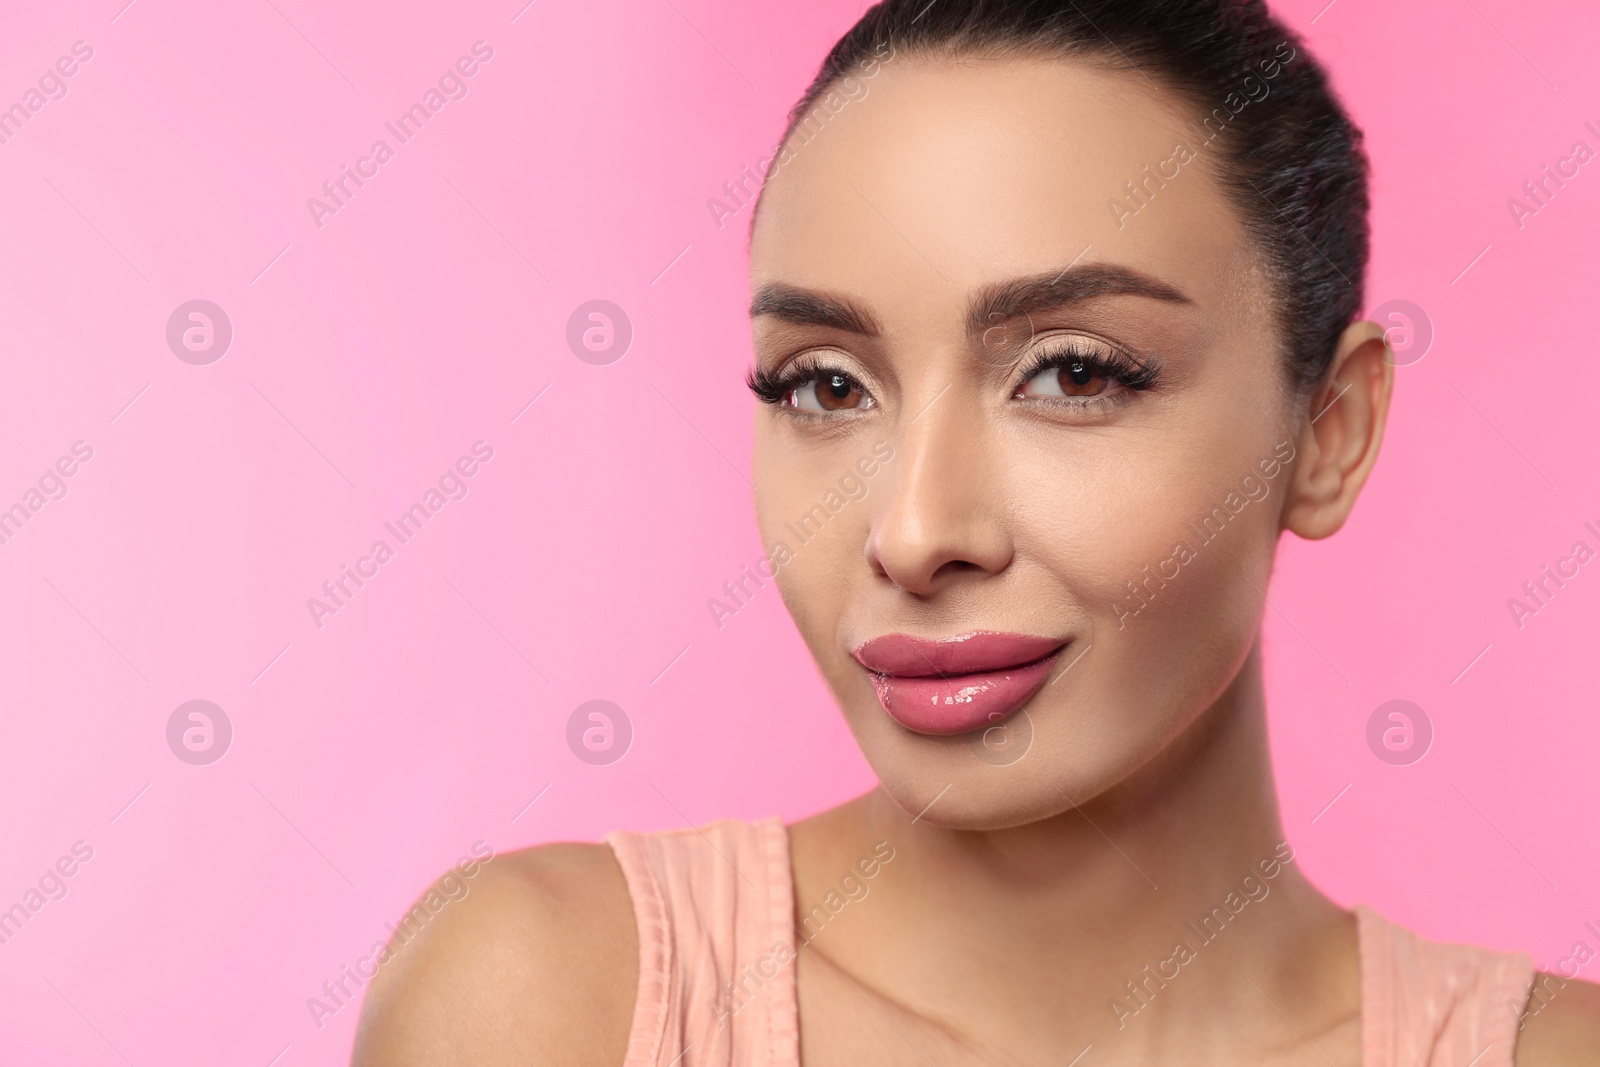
[[1340, 433]]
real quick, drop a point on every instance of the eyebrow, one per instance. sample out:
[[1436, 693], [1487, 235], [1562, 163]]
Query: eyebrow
[[804, 307], [1072, 285], [997, 301]]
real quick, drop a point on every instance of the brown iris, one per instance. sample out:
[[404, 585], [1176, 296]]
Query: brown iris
[[1078, 379], [833, 392]]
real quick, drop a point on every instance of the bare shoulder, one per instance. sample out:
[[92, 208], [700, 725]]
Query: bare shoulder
[[1561, 1024], [534, 958]]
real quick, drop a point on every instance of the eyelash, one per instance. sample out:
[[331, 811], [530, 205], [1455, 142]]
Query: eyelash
[[1102, 360], [1108, 362], [775, 388]]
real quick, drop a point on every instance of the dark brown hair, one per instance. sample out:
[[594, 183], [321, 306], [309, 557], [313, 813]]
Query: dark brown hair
[[1290, 159]]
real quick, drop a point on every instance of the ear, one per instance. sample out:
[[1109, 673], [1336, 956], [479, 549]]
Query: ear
[[1340, 433]]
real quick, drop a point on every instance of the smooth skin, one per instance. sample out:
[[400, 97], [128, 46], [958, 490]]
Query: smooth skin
[[1023, 894]]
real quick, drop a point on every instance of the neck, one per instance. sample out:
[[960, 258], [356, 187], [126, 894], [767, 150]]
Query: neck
[[1144, 907]]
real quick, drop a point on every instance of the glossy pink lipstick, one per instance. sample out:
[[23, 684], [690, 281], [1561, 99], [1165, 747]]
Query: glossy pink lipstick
[[955, 685]]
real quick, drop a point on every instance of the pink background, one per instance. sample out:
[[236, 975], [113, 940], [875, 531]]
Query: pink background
[[424, 316]]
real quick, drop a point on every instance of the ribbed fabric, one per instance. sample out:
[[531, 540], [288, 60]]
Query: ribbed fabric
[[1430, 1004], [715, 911]]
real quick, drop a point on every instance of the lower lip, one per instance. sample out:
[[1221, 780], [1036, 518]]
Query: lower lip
[[961, 703]]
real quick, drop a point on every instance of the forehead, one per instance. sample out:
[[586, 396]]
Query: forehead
[[938, 175]]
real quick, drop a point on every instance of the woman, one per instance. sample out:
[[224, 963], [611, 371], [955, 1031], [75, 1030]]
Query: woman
[[1054, 308]]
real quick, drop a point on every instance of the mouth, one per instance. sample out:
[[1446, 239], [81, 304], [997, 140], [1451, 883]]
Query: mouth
[[959, 684]]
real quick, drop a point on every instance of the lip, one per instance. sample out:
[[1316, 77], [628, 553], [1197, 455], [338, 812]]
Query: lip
[[958, 684]]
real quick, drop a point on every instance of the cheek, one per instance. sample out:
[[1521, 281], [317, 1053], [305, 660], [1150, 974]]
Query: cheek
[[773, 478], [812, 533], [1167, 584], [1188, 605]]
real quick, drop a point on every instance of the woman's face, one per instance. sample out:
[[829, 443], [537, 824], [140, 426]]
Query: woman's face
[[1015, 400]]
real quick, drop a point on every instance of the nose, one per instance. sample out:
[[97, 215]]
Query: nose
[[943, 524]]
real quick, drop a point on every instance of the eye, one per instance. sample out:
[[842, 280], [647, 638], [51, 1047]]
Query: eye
[[829, 391], [809, 387], [1081, 372], [1075, 377]]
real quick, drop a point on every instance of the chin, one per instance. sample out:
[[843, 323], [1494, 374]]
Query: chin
[[1063, 749], [1009, 776]]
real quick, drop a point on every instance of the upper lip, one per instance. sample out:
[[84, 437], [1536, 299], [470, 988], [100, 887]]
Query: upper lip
[[908, 656]]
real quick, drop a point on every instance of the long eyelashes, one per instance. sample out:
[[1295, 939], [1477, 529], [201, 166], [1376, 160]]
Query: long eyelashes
[[771, 388], [777, 388], [1097, 360], [1081, 355]]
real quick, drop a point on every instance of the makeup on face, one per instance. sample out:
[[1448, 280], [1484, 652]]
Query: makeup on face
[[1060, 395], [958, 684]]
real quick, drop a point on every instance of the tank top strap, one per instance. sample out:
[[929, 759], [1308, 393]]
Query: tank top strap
[[715, 911], [1429, 1003]]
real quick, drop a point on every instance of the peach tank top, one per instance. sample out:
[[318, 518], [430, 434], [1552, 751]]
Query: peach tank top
[[715, 910]]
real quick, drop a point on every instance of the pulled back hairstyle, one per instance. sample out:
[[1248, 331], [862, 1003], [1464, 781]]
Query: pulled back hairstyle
[[1290, 161]]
